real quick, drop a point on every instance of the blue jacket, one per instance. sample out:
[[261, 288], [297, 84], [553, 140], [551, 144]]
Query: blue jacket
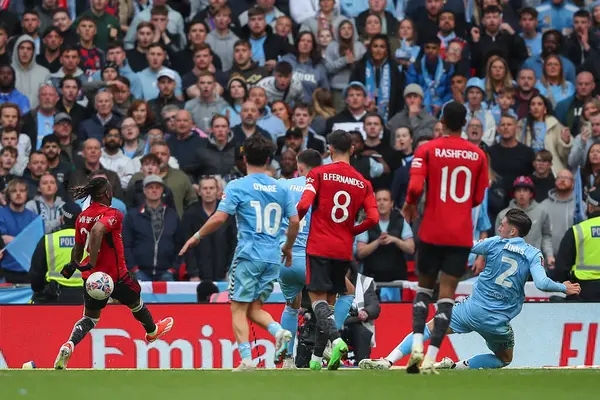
[[18, 98], [12, 223], [93, 128], [556, 17], [442, 93], [142, 250], [562, 109]]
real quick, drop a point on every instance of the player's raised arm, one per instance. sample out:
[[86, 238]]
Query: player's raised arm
[[482, 183], [309, 194], [542, 282], [370, 207]]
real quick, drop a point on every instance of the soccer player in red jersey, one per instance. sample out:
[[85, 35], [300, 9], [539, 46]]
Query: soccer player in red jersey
[[336, 193], [456, 175], [98, 233]]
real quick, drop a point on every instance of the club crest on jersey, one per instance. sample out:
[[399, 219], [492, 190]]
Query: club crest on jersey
[[309, 180], [223, 196], [542, 260], [112, 221]]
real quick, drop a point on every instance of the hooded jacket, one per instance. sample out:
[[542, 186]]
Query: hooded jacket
[[28, 79], [213, 159], [561, 214], [338, 67], [222, 46], [540, 235], [294, 94], [49, 213]]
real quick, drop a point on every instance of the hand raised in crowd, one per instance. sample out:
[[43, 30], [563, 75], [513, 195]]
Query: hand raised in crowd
[[572, 288], [113, 33], [585, 135], [565, 135], [507, 28], [475, 35], [350, 57], [270, 65]]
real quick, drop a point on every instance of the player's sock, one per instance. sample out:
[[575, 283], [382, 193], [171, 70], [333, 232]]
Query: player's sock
[[289, 321], [245, 350], [482, 361], [420, 311], [406, 346], [342, 307], [316, 358], [142, 314], [320, 343], [441, 321], [81, 328], [273, 328], [325, 319]]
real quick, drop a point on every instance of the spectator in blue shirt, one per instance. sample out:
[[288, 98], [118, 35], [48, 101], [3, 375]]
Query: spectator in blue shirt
[[149, 77], [528, 21], [551, 42], [557, 14]]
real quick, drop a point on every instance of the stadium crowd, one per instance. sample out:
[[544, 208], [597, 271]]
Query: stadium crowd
[[158, 96]]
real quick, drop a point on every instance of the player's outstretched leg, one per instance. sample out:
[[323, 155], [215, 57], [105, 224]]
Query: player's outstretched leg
[[153, 330], [289, 322], [420, 311], [403, 349], [440, 327], [80, 329], [480, 361], [326, 322]]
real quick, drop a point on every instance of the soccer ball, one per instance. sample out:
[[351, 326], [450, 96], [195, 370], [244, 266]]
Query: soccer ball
[[99, 286]]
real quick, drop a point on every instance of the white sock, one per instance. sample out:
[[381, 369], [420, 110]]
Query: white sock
[[316, 358], [395, 356], [432, 352], [462, 364], [336, 341], [417, 340]]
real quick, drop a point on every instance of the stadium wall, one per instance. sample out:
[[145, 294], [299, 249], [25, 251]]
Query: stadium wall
[[545, 335]]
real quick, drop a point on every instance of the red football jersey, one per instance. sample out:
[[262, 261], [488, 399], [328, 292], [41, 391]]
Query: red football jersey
[[456, 173], [111, 257], [336, 193]]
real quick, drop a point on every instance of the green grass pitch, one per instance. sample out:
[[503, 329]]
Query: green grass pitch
[[529, 384]]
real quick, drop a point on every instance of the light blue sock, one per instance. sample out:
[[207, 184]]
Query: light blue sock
[[406, 345], [485, 361], [245, 350], [289, 321], [342, 308], [273, 328]]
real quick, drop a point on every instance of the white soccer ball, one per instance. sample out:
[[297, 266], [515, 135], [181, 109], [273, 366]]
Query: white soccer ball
[[99, 286]]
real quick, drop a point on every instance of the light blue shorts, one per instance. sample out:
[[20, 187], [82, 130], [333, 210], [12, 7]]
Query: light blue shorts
[[293, 279], [251, 280], [468, 318]]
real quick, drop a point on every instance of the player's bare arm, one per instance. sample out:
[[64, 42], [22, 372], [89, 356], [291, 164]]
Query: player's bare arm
[[213, 223], [96, 235], [292, 232], [77, 253]]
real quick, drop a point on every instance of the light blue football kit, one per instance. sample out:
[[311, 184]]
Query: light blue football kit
[[498, 296], [259, 203]]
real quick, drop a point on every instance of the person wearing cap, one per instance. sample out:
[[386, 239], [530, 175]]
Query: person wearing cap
[[49, 57], [432, 74], [51, 254], [578, 257], [540, 235], [476, 107], [149, 236], [166, 92], [68, 141], [413, 115], [156, 56]]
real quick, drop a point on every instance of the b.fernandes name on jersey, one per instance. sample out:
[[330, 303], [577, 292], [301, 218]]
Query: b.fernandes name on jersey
[[343, 179]]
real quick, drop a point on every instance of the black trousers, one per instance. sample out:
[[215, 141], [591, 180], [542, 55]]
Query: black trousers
[[590, 292], [359, 338]]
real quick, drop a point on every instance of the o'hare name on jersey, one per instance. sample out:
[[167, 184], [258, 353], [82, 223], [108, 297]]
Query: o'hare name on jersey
[[265, 188], [344, 179]]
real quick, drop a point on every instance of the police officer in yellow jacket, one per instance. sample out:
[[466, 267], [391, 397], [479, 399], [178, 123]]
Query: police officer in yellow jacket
[[578, 258], [51, 254]]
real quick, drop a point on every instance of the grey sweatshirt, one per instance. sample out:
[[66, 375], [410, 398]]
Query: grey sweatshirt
[[540, 235], [222, 46], [579, 151], [50, 214], [561, 214], [311, 76], [295, 93], [337, 66], [28, 79], [202, 112]]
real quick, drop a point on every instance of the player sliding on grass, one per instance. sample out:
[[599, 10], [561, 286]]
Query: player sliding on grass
[[336, 192], [259, 203], [98, 233], [498, 296]]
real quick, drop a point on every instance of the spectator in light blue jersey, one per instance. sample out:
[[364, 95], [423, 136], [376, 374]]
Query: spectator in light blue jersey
[[557, 14], [528, 21], [259, 204], [498, 296]]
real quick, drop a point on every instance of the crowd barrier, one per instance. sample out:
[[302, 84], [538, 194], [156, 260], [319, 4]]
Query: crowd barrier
[[545, 334], [185, 292]]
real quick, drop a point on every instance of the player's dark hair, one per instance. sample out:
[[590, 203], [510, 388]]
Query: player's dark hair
[[454, 116], [94, 188], [258, 150], [309, 157], [519, 220], [340, 140]]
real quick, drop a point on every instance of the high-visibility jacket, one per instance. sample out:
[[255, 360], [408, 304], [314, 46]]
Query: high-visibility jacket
[[58, 253], [587, 246]]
